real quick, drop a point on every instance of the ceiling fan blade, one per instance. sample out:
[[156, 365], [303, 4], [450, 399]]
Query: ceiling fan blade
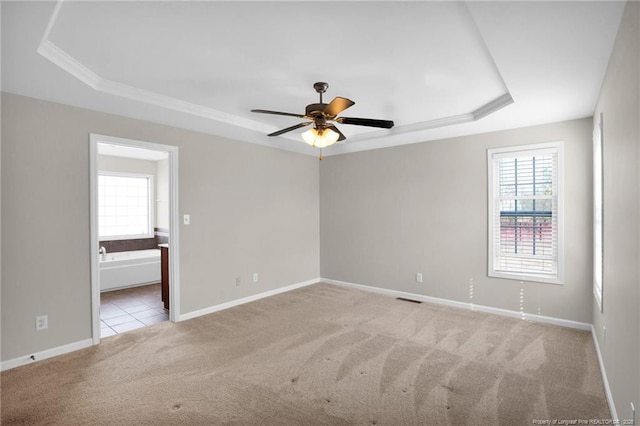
[[370, 122], [335, 129], [338, 105], [288, 129], [266, 111]]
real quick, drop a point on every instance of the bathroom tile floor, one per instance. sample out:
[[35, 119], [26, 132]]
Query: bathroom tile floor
[[128, 309]]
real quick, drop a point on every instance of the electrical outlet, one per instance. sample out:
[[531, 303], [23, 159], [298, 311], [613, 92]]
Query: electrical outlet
[[237, 280], [418, 277], [186, 219], [42, 322], [255, 277]]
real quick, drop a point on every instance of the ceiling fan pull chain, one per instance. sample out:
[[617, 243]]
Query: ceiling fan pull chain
[[320, 158]]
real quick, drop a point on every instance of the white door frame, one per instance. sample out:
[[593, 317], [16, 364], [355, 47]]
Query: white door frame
[[174, 264]]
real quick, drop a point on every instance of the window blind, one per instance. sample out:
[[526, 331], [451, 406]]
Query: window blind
[[524, 213]]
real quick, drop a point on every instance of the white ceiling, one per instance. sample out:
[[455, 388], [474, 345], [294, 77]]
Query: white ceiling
[[438, 69]]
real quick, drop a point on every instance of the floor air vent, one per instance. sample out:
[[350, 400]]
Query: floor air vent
[[408, 300]]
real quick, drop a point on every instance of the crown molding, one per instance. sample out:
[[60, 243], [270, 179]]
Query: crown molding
[[66, 62], [493, 106], [486, 109]]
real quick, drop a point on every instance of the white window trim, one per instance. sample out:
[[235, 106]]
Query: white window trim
[[503, 152], [150, 233], [598, 210]]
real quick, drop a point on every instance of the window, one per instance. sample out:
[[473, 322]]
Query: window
[[124, 206], [597, 213], [525, 212]]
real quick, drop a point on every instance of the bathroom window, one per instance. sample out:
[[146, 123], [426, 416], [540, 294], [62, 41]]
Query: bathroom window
[[525, 213], [124, 206]]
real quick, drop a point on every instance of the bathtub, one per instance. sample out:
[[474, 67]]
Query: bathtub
[[129, 269]]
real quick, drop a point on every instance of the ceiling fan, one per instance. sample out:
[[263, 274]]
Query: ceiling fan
[[324, 133]]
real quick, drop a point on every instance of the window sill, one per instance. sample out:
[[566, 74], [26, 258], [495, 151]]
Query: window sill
[[126, 237], [525, 277]]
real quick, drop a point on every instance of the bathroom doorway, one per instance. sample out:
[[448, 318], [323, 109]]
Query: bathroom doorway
[[134, 241]]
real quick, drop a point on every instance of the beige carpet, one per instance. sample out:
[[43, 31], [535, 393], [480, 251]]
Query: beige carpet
[[320, 355]]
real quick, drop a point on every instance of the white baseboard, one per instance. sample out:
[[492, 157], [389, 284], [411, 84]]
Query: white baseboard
[[48, 353], [124, 287], [232, 303], [465, 305], [605, 381]]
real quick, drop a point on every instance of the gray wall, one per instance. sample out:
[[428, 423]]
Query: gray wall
[[389, 213], [162, 194], [253, 209], [621, 284], [1, 195]]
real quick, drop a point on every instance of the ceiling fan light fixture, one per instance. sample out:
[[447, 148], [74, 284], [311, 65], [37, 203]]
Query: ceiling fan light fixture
[[320, 138]]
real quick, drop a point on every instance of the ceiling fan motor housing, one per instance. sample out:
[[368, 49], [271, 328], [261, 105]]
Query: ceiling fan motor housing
[[314, 110]]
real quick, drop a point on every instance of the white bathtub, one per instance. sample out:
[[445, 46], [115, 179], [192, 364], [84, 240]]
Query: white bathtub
[[129, 269]]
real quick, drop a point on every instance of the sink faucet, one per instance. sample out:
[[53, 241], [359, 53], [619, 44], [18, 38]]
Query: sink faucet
[[103, 252]]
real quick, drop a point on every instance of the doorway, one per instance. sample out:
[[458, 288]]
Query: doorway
[[157, 224]]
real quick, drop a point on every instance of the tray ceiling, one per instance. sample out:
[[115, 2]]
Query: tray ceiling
[[438, 69]]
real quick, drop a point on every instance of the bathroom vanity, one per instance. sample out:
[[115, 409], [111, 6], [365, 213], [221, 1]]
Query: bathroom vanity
[[164, 273]]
